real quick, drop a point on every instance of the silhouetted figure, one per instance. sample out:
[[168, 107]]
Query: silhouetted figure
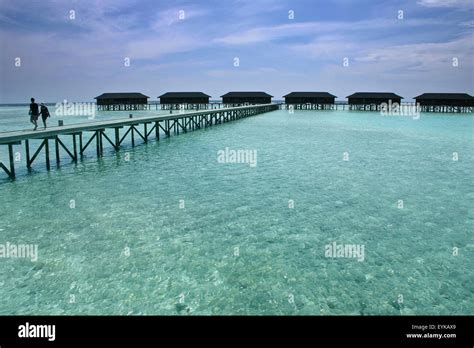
[[34, 113], [44, 114]]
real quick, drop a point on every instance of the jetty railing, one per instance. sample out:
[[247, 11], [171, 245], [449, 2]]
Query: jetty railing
[[375, 107], [169, 106], [308, 106], [139, 127], [446, 108]]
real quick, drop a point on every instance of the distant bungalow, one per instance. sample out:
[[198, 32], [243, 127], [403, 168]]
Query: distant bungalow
[[445, 102], [122, 101], [237, 98], [310, 100], [184, 98], [370, 101]]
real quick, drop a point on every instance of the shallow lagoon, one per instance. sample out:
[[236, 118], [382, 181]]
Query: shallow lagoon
[[129, 247]]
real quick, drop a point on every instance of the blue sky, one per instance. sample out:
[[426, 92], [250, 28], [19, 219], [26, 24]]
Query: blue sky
[[78, 59]]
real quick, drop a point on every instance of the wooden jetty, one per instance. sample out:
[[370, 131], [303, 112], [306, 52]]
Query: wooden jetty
[[143, 127]]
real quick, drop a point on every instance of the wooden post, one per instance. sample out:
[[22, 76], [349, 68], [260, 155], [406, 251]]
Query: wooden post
[[74, 146], [56, 143], [117, 139], [101, 142], [97, 143], [27, 150], [12, 160], [80, 144], [46, 150]]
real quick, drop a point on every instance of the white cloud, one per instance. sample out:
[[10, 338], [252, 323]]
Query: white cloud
[[176, 15], [407, 69], [158, 46], [447, 3], [241, 73], [469, 24], [327, 47], [252, 8], [434, 57], [269, 33]]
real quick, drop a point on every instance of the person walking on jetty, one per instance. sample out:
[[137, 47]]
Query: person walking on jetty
[[34, 114], [44, 114]]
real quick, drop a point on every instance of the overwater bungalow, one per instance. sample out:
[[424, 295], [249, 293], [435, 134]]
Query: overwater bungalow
[[184, 100], [445, 102], [192, 98], [239, 98], [370, 101], [310, 100], [122, 101]]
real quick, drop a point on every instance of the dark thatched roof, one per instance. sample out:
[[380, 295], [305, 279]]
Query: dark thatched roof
[[184, 95], [247, 95], [445, 96], [133, 95], [309, 95], [381, 95]]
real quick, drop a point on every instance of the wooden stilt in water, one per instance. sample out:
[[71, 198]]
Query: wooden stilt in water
[[101, 142], [74, 147], [56, 143], [46, 149], [97, 142], [80, 144], [27, 151], [117, 138], [12, 160]]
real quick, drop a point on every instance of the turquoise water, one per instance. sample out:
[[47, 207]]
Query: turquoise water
[[236, 247]]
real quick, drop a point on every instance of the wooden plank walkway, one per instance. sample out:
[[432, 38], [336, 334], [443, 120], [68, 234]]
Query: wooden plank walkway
[[175, 122]]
